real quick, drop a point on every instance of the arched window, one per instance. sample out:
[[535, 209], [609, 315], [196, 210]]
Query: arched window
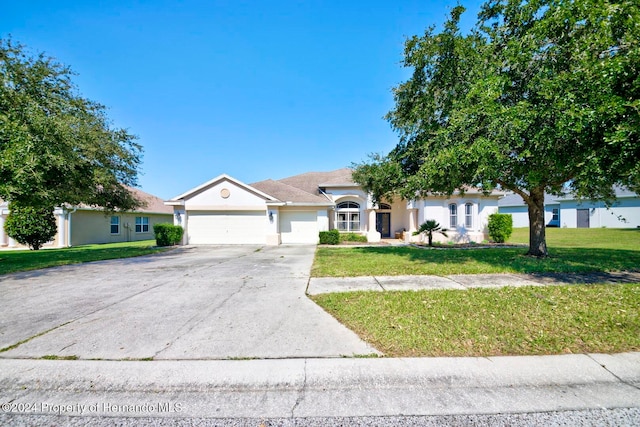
[[384, 206], [453, 216], [468, 215], [348, 216]]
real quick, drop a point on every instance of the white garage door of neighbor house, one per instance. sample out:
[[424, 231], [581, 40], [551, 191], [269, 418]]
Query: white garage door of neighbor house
[[220, 228], [298, 227]]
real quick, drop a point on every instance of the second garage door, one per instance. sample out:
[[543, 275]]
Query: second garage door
[[299, 227], [222, 228]]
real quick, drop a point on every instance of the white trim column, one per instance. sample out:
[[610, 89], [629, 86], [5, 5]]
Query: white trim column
[[62, 228], [413, 224], [373, 235]]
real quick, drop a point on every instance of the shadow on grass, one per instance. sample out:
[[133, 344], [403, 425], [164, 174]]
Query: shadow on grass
[[389, 260], [31, 263]]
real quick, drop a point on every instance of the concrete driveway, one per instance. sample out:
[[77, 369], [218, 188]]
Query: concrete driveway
[[215, 302]]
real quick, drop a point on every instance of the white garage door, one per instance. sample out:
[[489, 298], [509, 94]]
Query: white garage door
[[220, 228], [299, 227]]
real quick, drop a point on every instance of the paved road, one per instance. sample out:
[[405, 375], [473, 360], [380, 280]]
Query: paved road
[[577, 387], [193, 303]]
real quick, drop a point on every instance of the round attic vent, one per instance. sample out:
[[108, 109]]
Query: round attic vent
[[225, 193]]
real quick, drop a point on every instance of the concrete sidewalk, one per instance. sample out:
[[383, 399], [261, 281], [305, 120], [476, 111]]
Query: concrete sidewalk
[[300, 388], [321, 285]]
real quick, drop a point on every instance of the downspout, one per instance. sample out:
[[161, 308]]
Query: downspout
[[69, 226]]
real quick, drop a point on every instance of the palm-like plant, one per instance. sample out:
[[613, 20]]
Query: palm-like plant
[[431, 226]]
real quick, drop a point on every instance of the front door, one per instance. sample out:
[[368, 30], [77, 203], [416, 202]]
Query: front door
[[583, 218], [383, 223]]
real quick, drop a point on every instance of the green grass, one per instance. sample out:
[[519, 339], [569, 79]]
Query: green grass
[[12, 261], [55, 357], [489, 322], [570, 250], [598, 238]]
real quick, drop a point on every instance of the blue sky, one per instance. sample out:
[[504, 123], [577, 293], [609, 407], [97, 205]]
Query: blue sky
[[254, 89]]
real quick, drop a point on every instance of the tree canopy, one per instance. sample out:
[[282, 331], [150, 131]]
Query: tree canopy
[[56, 146], [540, 96]]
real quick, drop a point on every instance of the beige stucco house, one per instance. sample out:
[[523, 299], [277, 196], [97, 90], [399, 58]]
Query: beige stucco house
[[81, 225], [294, 210]]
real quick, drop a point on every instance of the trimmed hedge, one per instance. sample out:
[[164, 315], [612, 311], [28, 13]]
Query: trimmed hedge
[[167, 234], [331, 237], [500, 227], [353, 237]]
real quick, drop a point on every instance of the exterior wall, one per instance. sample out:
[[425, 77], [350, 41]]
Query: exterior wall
[[399, 217], [273, 226], [520, 215], [213, 198], [89, 226], [625, 213], [437, 208]]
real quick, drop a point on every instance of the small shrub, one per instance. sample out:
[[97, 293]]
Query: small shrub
[[353, 237], [331, 237], [429, 227], [30, 226], [500, 227], [167, 234]]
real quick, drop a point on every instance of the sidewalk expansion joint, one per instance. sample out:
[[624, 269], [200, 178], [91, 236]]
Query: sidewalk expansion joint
[[623, 381], [302, 392], [457, 283], [379, 284]]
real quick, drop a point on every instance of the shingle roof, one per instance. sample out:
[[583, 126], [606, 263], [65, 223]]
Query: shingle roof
[[288, 193], [512, 199], [304, 188], [153, 204], [311, 181]]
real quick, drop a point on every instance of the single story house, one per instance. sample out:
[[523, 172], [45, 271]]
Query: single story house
[[81, 225], [294, 210], [568, 211], [513, 204]]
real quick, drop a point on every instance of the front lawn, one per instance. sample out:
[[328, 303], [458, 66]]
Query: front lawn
[[570, 250], [490, 322], [12, 261]]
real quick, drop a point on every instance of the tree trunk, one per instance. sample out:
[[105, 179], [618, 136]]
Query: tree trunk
[[430, 238], [537, 237]]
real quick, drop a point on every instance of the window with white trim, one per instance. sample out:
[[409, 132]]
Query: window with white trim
[[348, 216], [468, 215], [115, 225], [556, 214], [384, 206], [453, 216], [142, 224]]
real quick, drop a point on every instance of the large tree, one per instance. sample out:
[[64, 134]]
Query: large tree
[[540, 96], [56, 146]]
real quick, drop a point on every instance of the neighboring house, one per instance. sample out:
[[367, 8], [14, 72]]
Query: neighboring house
[[568, 211], [83, 225], [513, 204], [295, 209]]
